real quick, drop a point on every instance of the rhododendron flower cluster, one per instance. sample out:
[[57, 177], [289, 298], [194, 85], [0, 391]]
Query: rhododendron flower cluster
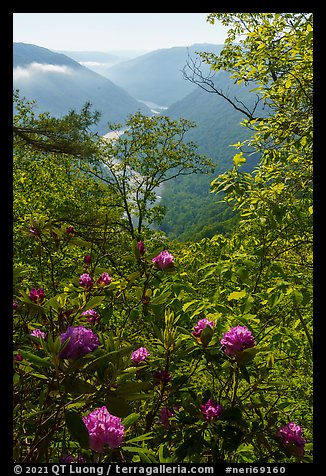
[[165, 414], [290, 436], [141, 248], [36, 295], [139, 355], [86, 281], [211, 410], [162, 375], [236, 340], [104, 429], [163, 260], [87, 259], [70, 230], [81, 342], [201, 325], [69, 458], [38, 333], [104, 279], [92, 315]]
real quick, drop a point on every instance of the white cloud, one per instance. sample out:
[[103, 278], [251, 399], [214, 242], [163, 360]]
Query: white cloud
[[90, 64], [39, 68]]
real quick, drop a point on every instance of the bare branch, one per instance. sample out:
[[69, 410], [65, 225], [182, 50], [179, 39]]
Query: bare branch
[[196, 76]]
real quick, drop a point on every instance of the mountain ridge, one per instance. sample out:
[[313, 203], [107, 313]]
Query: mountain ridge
[[58, 84], [157, 76]]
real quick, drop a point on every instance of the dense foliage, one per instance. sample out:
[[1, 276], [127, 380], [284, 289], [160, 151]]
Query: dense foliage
[[130, 347]]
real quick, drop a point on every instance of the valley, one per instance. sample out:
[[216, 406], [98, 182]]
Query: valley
[[152, 83]]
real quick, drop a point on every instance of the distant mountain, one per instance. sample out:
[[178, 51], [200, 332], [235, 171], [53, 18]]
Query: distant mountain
[[97, 61], [58, 84], [157, 76]]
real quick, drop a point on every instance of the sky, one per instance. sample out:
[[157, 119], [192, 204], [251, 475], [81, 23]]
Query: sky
[[115, 31]]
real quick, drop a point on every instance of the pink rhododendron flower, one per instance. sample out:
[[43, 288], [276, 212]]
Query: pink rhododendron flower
[[104, 429], [87, 259], [92, 315], [201, 325], [81, 342], [36, 295], [162, 375], [163, 260], [104, 279], [165, 414], [38, 333], [211, 410], [290, 436], [236, 340], [86, 281], [141, 248], [139, 355]]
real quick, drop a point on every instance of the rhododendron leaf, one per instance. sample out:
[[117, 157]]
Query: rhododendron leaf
[[94, 302], [188, 304], [130, 419], [35, 308], [78, 387], [118, 406], [247, 355], [138, 439], [244, 372], [161, 299], [130, 388], [53, 303], [36, 360], [77, 428], [164, 454], [236, 295], [109, 357], [133, 276], [206, 335]]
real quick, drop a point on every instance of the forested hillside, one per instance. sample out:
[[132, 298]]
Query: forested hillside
[[192, 212], [130, 347]]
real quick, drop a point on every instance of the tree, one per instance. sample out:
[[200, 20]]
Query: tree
[[151, 151], [53, 191], [267, 263]]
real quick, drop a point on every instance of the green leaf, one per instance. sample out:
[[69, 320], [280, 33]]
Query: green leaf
[[138, 439], [247, 356], [236, 295], [288, 83], [110, 357], [36, 360], [188, 304], [54, 302], [78, 387], [164, 454], [130, 419], [133, 276], [244, 372], [128, 390], [36, 308], [93, 302], [118, 406], [161, 299], [238, 159], [77, 428]]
